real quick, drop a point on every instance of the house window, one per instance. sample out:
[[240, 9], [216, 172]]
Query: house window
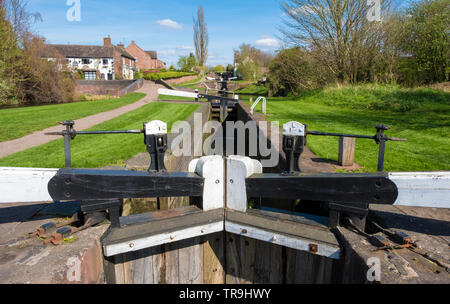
[[85, 61], [89, 75], [105, 61]]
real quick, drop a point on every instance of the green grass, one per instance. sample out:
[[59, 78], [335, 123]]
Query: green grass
[[168, 97], [18, 122], [95, 151], [420, 115], [189, 83], [253, 89]]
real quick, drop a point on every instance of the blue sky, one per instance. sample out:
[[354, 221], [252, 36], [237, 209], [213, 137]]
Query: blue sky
[[164, 26]]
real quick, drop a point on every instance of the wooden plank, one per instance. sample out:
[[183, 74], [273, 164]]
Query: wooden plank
[[291, 257], [25, 185], [177, 93], [346, 151], [139, 267], [424, 189], [262, 263], [120, 269], [190, 261], [159, 275], [247, 257], [312, 269], [213, 259], [148, 266], [233, 263], [324, 249], [127, 266], [161, 239], [276, 263], [197, 262], [172, 263], [268, 263], [159, 232]]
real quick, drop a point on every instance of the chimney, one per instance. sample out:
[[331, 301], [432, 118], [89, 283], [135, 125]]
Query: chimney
[[107, 41], [121, 45]]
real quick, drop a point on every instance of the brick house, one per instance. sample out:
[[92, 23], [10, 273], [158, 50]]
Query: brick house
[[107, 62], [146, 60]]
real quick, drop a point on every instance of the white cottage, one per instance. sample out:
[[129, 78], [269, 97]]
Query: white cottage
[[106, 62]]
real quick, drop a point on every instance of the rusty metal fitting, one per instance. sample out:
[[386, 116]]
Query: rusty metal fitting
[[313, 248]]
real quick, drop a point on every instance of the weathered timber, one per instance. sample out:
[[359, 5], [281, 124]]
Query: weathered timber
[[103, 184], [282, 230], [158, 232], [360, 188], [346, 151]]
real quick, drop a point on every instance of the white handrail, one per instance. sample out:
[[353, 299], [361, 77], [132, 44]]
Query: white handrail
[[264, 105]]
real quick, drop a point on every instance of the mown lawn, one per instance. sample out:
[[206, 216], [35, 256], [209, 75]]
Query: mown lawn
[[253, 89], [95, 151], [169, 97], [190, 83], [420, 115], [18, 122]]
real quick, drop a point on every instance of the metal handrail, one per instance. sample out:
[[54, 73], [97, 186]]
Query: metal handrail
[[264, 105]]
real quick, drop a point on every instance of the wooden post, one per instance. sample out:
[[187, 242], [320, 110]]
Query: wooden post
[[346, 151]]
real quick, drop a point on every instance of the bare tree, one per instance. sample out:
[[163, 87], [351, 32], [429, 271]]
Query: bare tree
[[339, 32], [20, 19], [201, 38]]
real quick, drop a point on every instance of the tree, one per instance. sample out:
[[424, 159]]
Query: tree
[[24, 76], [219, 68], [187, 63], [340, 33], [201, 38], [250, 61], [294, 70], [426, 29], [11, 61]]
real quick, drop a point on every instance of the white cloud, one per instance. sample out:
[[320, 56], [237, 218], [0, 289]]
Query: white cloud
[[168, 23], [267, 42]]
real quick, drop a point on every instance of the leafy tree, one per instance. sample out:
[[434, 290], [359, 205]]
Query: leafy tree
[[219, 68], [250, 61], [11, 61], [24, 76], [426, 37], [187, 63]]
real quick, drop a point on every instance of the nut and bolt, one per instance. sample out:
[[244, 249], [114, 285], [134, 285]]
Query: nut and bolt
[[313, 248]]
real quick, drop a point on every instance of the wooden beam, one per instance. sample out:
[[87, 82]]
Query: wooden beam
[[422, 189], [162, 239], [25, 185], [289, 231], [280, 239], [346, 151]]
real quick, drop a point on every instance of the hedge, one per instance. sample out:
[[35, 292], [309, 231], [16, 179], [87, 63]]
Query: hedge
[[166, 75]]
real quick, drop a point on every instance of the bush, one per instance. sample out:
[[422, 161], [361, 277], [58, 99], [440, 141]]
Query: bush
[[138, 75], [294, 70]]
